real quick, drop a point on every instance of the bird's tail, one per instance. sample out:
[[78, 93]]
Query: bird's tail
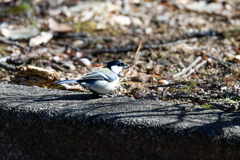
[[67, 81]]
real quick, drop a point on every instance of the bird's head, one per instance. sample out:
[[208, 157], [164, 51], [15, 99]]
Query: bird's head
[[116, 66]]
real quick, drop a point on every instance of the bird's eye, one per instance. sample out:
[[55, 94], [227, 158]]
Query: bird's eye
[[120, 64]]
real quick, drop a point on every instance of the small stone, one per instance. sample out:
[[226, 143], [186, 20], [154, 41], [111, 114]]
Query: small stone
[[214, 95], [163, 82], [138, 30], [149, 30], [85, 62], [160, 89], [162, 18], [137, 22], [78, 43]]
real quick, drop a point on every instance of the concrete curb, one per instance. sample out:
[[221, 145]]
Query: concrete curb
[[39, 123]]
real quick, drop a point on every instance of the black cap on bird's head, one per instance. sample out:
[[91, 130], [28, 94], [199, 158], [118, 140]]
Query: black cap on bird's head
[[116, 66], [117, 63]]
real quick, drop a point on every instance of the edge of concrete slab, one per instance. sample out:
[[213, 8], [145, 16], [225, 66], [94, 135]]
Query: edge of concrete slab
[[41, 123]]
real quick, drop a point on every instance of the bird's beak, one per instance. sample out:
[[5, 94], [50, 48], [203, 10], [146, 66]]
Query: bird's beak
[[125, 66]]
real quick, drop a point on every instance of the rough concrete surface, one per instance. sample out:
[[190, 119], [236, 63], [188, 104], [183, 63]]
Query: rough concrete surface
[[38, 123]]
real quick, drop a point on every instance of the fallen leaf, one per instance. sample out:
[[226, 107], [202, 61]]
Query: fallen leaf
[[136, 21], [57, 27], [22, 33], [82, 6], [43, 38], [183, 2], [113, 7], [203, 6], [54, 12], [120, 19], [102, 25], [35, 76], [163, 82], [87, 15]]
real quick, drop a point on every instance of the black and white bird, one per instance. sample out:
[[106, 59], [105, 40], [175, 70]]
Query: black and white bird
[[102, 80]]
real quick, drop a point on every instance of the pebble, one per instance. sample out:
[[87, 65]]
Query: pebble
[[85, 62], [160, 89], [149, 30]]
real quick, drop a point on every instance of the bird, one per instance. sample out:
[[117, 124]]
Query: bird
[[101, 81]]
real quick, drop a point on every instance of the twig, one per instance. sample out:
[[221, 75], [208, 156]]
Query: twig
[[137, 54], [8, 67], [181, 64], [199, 66], [136, 59], [164, 92], [221, 61], [68, 35], [185, 70], [133, 48], [189, 73], [6, 41], [56, 66]]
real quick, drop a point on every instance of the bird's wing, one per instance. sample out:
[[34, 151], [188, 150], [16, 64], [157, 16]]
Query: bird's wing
[[100, 75]]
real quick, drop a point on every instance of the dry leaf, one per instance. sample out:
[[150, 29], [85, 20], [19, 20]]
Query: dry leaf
[[22, 33], [57, 27], [54, 12], [163, 82], [35, 76], [183, 2], [136, 21], [102, 25], [87, 15], [203, 6], [119, 19], [43, 38]]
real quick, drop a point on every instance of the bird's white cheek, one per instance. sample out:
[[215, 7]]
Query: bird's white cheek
[[116, 69]]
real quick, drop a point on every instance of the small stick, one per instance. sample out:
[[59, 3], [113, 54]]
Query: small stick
[[200, 65], [56, 66], [137, 55], [136, 59], [185, 70], [6, 41], [133, 48], [221, 61], [189, 73], [8, 67]]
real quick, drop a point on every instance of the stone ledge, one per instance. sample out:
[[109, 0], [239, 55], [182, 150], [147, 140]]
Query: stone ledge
[[39, 123]]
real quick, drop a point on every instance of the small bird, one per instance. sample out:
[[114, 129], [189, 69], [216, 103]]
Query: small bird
[[102, 80]]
